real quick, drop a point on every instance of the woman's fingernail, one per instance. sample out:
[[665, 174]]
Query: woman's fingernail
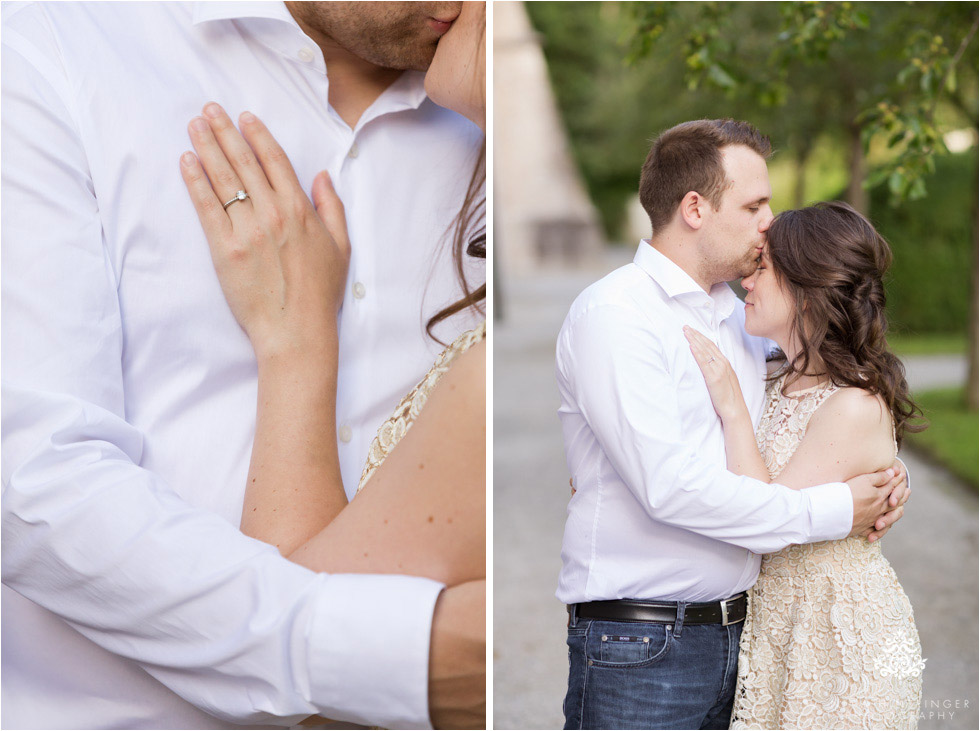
[[187, 159], [199, 123], [247, 117], [212, 110]]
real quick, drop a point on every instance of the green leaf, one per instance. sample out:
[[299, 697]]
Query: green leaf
[[896, 181], [876, 178], [951, 82], [917, 190], [896, 138], [926, 82], [720, 77]]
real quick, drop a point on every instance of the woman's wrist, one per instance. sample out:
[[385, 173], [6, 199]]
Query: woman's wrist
[[312, 366], [313, 344], [736, 417]]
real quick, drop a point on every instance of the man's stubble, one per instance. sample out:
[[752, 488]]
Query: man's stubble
[[392, 35]]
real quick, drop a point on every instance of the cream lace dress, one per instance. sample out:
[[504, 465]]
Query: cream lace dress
[[829, 640], [408, 410]]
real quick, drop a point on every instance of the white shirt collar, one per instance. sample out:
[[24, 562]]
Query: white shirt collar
[[676, 283], [205, 11]]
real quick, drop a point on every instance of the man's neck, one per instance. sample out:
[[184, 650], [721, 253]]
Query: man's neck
[[679, 254], [354, 82]]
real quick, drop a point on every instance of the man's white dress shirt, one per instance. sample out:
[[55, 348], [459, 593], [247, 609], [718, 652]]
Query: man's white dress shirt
[[656, 515], [130, 598]]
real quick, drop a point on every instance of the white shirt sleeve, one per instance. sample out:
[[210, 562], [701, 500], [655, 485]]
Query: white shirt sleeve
[[622, 384], [221, 619]]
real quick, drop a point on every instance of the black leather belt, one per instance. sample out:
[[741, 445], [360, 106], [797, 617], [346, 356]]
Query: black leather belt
[[729, 611]]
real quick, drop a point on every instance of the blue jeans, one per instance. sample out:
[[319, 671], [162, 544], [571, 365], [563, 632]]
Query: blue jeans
[[650, 676]]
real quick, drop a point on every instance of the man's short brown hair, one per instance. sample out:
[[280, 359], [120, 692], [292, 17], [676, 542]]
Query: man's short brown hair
[[688, 157]]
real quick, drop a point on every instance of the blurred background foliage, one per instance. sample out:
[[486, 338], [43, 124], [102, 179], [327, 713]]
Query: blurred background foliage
[[862, 101], [874, 103]]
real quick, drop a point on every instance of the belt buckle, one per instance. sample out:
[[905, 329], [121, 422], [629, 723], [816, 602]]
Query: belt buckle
[[724, 612]]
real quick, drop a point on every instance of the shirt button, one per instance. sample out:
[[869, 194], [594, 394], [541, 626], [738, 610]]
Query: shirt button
[[305, 55], [359, 291], [345, 434], [352, 152]]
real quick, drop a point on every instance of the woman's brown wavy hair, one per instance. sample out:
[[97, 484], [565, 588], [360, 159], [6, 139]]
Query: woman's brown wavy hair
[[832, 260], [466, 244]]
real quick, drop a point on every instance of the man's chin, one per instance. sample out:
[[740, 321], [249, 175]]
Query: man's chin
[[415, 58], [740, 273]]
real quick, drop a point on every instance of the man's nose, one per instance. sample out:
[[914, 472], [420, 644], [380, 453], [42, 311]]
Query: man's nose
[[767, 221]]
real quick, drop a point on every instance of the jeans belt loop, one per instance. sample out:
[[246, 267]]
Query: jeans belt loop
[[679, 623], [573, 615]]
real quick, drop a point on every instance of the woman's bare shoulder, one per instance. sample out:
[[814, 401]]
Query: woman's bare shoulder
[[865, 409], [859, 418], [460, 394], [469, 371]]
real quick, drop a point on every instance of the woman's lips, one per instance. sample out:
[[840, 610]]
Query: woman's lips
[[440, 26]]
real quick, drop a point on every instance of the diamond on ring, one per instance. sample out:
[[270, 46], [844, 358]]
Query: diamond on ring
[[239, 196]]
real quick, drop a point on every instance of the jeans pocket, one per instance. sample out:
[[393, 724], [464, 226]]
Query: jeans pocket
[[620, 644]]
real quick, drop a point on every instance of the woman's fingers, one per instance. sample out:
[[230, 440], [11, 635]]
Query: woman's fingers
[[237, 153], [222, 175], [706, 352], [330, 209], [698, 349], [278, 170], [213, 219], [707, 345]]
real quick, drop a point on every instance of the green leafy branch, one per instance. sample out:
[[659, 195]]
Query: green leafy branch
[[910, 127]]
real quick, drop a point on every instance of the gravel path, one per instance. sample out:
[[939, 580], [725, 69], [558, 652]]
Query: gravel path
[[934, 551]]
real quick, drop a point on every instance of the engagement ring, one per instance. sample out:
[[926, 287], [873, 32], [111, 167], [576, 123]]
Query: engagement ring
[[239, 196]]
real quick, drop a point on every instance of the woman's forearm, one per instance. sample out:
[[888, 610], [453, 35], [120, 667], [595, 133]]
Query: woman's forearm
[[423, 512], [741, 449], [294, 485]]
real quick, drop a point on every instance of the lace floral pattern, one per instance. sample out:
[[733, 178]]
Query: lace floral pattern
[[405, 414], [829, 640]]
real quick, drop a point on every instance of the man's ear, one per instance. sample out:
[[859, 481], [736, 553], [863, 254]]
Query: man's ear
[[692, 208]]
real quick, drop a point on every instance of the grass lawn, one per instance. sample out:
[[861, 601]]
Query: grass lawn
[[932, 344], [952, 436]]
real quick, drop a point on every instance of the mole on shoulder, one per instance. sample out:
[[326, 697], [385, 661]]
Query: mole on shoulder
[[431, 518]]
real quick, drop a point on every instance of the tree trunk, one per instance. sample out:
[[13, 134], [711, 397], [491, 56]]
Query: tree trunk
[[973, 340], [802, 154], [857, 196]]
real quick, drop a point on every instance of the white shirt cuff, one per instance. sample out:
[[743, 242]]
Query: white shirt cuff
[[369, 649], [831, 511]]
